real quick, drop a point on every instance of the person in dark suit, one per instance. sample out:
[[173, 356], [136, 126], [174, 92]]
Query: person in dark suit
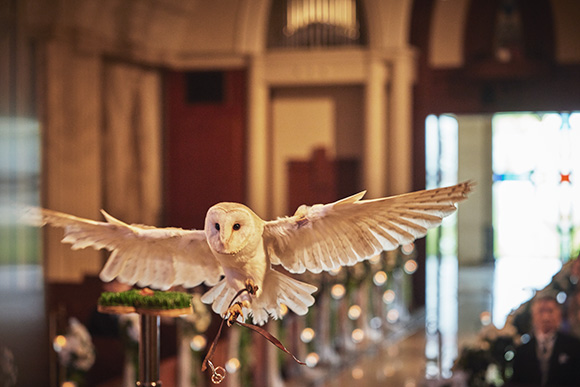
[[551, 357]]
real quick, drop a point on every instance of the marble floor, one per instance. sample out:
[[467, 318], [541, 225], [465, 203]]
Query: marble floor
[[466, 298]]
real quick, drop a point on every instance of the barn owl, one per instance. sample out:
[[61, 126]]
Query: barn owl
[[237, 248]]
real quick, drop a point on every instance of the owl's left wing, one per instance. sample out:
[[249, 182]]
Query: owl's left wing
[[324, 237], [142, 255]]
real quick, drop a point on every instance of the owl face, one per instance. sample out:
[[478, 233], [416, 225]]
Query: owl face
[[231, 227]]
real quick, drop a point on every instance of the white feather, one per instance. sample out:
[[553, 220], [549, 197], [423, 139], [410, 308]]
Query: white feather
[[238, 244]]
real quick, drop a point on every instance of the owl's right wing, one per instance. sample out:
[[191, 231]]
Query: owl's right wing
[[142, 255], [326, 236]]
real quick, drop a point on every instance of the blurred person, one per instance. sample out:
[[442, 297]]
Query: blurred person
[[551, 357]]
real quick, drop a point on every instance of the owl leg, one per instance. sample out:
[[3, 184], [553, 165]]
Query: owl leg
[[235, 311], [251, 286]]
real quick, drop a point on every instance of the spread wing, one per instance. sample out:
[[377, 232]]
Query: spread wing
[[142, 255], [323, 237]]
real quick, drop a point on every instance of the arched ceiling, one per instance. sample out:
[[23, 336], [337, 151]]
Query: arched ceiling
[[167, 31], [450, 21]]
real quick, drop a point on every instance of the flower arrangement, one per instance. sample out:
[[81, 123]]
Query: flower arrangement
[[76, 352], [8, 369], [193, 342], [488, 361], [198, 321]]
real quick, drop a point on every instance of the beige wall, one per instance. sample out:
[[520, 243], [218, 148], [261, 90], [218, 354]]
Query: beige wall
[[307, 118]]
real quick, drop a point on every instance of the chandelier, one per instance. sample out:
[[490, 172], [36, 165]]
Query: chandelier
[[319, 23]]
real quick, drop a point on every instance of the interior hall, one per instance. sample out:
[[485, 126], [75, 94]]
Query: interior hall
[[155, 110]]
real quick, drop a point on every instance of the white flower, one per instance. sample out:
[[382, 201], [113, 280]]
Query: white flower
[[78, 350], [492, 375], [201, 317], [132, 325]]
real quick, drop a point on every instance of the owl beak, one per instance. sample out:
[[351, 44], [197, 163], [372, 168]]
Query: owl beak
[[225, 238]]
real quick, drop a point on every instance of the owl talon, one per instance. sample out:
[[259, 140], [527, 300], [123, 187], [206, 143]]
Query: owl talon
[[235, 311], [251, 286]]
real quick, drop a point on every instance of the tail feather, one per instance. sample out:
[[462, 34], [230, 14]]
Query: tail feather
[[219, 297], [277, 289], [281, 289]]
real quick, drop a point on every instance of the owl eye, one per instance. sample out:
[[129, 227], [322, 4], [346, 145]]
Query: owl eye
[[236, 226], [217, 226]]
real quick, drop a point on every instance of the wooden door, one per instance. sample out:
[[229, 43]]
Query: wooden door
[[205, 136]]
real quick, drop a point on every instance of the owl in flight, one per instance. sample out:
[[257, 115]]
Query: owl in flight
[[237, 248]]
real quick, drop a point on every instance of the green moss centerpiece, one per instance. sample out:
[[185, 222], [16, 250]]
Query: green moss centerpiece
[[146, 301]]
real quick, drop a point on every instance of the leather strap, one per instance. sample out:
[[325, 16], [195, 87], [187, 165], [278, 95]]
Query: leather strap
[[218, 373], [267, 335]]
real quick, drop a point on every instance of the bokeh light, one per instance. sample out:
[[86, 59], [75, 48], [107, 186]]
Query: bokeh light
[[380, 278], [357, 373], [357, 335], [338, 291], [59, 343], [509, 355], [198, 343], [312, 359], [485, 318], [561, 297], [410, 266], [307, 335], [374, 260], [388, 296], [393, 316], [233, 365], [335, 271], [376, 323], [354, 312], [408, 248]]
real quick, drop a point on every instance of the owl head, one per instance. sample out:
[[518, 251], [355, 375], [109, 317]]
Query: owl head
[[232, 227]]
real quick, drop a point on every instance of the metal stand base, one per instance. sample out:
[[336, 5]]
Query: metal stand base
[[149, 352]]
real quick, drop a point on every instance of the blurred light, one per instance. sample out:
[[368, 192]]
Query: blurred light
[[59, 343], [525, 338], [283, 309], [393, 316], [358, 335], [410, 383], [376, 322], [338, 291], [233, 365], [357, 373], [198, 343], [68, 384], [374, 260], [408, 248], [354, 312], [307, 335], [410, 266], [485, 318], [335, 271], [312, 359], [388, 296], [561, 297], [388, 370], [380, 278], [431, 370], [509, 355]]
